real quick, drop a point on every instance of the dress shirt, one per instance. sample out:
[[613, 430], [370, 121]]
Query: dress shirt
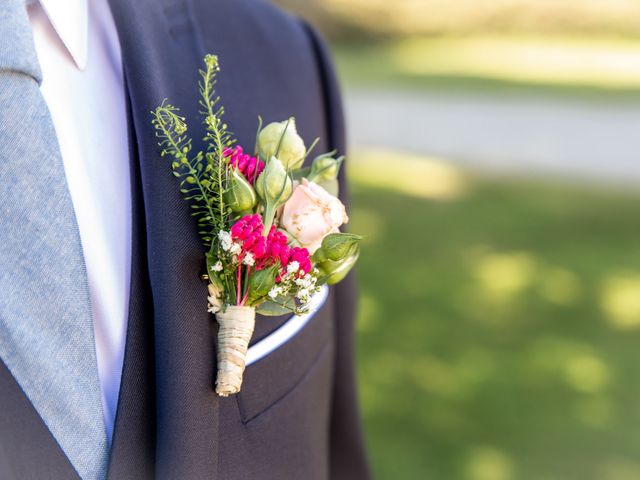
[[77, 46]]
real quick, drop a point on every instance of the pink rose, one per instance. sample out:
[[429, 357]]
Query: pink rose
[[311, 214]]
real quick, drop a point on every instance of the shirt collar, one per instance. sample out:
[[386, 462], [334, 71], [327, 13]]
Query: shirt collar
[[70, 19]]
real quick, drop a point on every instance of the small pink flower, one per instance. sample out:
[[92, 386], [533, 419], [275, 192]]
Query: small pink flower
[[248, 232], [270, 250], [285, 255], [259, 247], [246, 164], [311, 214], [301, 255]]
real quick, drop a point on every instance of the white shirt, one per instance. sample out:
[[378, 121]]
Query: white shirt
[[77, 46]]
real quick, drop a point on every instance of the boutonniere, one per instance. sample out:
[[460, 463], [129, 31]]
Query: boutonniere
[[269, 225]]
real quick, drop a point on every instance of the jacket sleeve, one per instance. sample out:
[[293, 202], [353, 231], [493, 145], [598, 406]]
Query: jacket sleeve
[[348, 457]]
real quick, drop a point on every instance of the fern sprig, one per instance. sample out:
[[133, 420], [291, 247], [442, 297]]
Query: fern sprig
[[171, 130], [218, 137], [203, 176]]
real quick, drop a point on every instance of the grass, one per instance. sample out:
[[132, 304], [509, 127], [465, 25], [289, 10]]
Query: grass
[[499, 326], [586, 66]]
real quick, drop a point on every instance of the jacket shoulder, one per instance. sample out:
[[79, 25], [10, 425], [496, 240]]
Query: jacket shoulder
[[256, 20], [274, 66]]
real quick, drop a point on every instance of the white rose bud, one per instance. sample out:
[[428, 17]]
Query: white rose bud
[[311, 214], [284, 134]]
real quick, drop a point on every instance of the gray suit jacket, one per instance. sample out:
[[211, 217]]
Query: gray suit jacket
[[296, 417]]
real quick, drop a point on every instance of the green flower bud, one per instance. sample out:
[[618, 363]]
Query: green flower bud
[[334, 272], [337, 246], [281, 139], [211, 61], [274, 184], [240, 196], [324, 168]]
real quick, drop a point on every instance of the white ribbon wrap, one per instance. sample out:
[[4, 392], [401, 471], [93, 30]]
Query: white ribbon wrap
[[236, 327]]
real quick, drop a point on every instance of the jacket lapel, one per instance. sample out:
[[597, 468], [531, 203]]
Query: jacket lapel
[[133, 445], [161, 53]]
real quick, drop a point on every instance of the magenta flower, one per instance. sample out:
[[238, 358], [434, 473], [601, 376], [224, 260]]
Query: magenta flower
[[248, 232], [249, 166], [274, 249], [301, 255]]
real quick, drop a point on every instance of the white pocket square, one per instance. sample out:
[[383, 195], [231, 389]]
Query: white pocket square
[[287, 330]]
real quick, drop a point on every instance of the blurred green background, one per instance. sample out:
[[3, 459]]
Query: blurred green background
[[494, 167]]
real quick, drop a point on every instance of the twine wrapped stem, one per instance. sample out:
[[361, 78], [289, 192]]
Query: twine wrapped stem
[[236, 327]]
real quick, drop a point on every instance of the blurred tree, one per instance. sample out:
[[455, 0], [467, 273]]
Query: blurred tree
[[346, 19]]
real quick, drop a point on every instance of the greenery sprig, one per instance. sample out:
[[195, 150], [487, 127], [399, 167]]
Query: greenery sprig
[[203, 176]]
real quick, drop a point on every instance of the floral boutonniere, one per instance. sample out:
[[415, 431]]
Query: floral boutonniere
[[270, 226]]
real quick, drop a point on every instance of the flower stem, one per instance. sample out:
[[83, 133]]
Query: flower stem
[[239, 285], [247, 272], [244, 299], [268, 217]]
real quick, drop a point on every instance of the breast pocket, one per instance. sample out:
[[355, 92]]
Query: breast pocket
[[279, 362]]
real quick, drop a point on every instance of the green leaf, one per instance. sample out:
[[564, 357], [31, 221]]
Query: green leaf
[[261, 281], [301, 173], [319, 256], [211, 260], [273, 309]]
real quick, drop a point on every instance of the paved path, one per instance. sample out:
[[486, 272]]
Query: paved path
[[505, 134]]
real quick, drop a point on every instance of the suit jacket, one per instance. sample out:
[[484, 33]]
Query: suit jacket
[[296, 416]]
